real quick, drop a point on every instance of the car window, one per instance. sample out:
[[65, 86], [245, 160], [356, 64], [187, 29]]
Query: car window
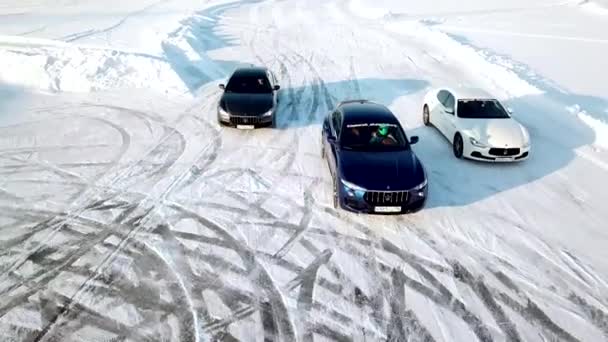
[[273, 80], [442, 96], [373, 136], [481, 109], [450, 101], [336, 118], [274, 77], [249, 84]]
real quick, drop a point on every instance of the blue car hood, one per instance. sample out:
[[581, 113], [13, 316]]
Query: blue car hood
[[398, 170]]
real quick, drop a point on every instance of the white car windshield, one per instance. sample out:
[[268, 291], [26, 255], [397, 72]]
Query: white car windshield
[[481, 109]]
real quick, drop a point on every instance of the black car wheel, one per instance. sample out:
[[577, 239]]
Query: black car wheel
[[221, 123], [322, 150], [274, 121], [458, 146], [426, 116]]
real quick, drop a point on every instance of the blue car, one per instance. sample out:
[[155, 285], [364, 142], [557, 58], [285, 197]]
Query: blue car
[[370, 158]]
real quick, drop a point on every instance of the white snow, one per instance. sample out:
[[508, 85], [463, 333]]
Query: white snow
[[598, 6], [108, 136]]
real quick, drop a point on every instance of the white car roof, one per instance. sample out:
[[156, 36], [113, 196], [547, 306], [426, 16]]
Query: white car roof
[[470, 93]]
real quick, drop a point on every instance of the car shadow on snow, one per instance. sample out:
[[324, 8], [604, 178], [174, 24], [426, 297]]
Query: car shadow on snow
[[308, 105], [187, 48], [11, 96]]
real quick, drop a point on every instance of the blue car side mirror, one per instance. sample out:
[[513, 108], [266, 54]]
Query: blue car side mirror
[[414, 140]]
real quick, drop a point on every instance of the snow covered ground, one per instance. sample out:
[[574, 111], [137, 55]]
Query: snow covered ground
[[128, 214]]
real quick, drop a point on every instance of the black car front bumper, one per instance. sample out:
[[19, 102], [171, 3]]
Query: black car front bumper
[[246, 121]]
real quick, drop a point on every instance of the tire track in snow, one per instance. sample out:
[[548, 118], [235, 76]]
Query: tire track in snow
[[83, 287], [91, 32], [57, 224], [598, 317], [45, 278], [279, 316], [404, 325], [482, 291]]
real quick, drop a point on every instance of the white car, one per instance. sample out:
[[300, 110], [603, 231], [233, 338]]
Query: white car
[[476, 124]]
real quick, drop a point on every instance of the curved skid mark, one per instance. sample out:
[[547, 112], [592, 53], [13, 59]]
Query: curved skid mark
[[55, 227], [404, 325], [484, 293], [307, 281], [445, 299], [258, 276], [530, 312], [596, 316], [44, 278], [205, 158], [304, 223]]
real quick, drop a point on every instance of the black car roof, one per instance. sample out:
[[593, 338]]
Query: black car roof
[[365, 111], [252, 71]]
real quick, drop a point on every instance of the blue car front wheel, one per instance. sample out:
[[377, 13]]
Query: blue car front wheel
[[335, 194]]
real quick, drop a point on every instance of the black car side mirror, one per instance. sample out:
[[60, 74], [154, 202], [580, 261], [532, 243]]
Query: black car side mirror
[[331, 139], [414, 140], [222, 86], [276, 87]]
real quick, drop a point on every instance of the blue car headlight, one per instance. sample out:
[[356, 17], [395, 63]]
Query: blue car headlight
[[352, 190], [420, 187]]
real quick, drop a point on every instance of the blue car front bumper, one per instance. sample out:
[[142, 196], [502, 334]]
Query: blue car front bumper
[[369, 202]]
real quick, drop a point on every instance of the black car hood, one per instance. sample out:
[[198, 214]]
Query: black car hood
[[398, 170], [246, 104]]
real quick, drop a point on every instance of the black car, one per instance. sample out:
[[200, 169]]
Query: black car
[[250, 99], [370, 158]]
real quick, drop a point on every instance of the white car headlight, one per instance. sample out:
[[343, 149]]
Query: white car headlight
[[477, 143], [223, 114], [420, 186], [267, 114], [352, 186]]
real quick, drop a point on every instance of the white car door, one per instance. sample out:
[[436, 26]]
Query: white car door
[[437, 115], [449, 117]]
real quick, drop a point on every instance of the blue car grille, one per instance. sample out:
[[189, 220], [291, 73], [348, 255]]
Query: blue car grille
[[386, 198], [245, 120]]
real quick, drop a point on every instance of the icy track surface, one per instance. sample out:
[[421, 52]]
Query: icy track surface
[[128, 214]]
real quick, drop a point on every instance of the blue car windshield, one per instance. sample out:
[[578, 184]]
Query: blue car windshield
[[373, 137]]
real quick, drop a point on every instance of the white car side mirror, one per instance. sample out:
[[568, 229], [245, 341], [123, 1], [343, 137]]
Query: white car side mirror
[[510, 110]]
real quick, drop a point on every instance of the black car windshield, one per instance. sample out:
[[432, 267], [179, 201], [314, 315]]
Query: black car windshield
[[249, 84], [373, 137], [481, 109]]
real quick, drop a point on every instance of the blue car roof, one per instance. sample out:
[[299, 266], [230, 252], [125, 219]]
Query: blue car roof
[[364, 111]]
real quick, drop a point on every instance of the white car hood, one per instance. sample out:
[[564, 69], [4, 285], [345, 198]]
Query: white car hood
[[495, 132]]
